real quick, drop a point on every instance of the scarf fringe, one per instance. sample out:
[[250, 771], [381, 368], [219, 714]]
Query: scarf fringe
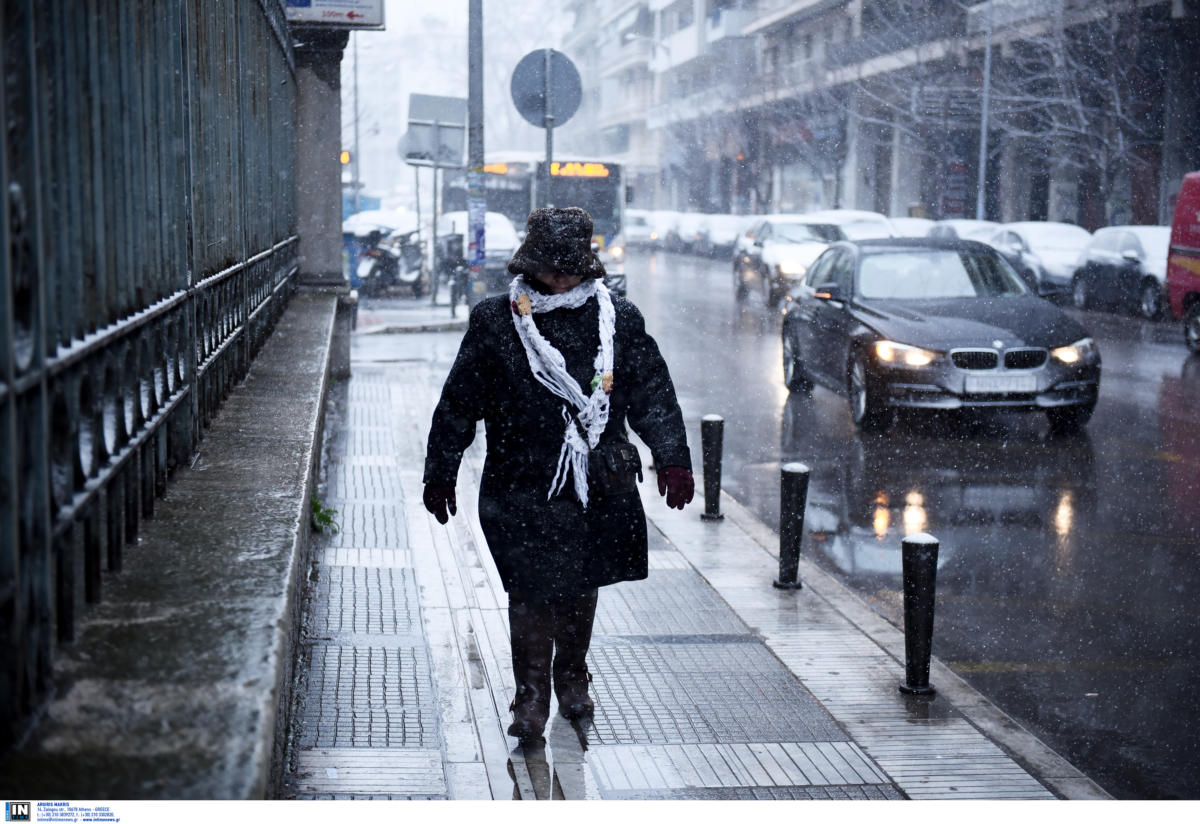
[[550, 369]]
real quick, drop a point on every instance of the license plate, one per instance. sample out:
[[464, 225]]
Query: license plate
[[1001, 384]]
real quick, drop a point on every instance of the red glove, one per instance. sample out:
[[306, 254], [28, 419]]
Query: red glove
[[677, 484], [437, 499]]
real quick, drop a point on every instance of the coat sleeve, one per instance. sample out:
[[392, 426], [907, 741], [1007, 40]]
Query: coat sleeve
[[653, 410], [462, 404]]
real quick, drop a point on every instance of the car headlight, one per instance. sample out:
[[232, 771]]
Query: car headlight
[[791, 268], [903, 354], [616, 251], [1081, 351]]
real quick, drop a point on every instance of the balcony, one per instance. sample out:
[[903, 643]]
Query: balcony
[[630, 106], [637, 51], [713, 100], [895, 37], [724, 23], [1007, 13]]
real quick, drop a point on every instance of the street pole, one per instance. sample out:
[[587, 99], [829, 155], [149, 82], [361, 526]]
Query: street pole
[[476, 194], [356, 154], [983, 120], [545, 199]]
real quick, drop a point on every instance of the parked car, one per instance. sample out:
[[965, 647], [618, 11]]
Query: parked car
[[639, 228], [684, 232], [912, 226], [1125, 267], [1183, 262], [719, 233], [963, 229], [855, 224], [662, 224], [779, 253], [1043, 253], [934, 324]]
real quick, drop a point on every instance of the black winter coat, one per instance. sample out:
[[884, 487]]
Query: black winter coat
[[549, 549]]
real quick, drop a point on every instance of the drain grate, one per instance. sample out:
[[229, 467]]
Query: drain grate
[[669, 602], [365, 600], [701, 693], [850, 792]]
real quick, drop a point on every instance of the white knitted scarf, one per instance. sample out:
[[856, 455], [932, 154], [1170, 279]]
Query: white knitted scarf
[[550, 369]]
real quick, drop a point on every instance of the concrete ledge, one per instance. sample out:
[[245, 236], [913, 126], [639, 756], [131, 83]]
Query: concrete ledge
[[178, 684]]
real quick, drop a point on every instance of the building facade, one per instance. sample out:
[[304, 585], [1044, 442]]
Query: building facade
[[749, 106]]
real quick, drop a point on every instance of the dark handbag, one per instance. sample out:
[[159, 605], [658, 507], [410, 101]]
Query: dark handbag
[[614, 469]]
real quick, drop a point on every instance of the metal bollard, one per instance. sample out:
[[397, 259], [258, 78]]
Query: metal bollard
[[712, 432], [919, 556], [793, 497]]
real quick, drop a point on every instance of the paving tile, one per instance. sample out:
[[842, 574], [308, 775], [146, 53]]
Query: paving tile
[[348, 773]]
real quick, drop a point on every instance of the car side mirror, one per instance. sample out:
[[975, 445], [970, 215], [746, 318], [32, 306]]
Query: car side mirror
[[758, 242], [829, 291], [1131, 256]]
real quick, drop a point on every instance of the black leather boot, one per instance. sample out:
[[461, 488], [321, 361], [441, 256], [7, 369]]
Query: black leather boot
[[573, 621], [532, 645]]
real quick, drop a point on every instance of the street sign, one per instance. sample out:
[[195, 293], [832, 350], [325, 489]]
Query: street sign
[[341, 14], [529, 87], [437, 128]]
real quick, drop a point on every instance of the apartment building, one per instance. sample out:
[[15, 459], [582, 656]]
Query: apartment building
[[790, 105]]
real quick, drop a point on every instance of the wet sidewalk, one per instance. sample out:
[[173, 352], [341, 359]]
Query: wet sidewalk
[[709, 683]]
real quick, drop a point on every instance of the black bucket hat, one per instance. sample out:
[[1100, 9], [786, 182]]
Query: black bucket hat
[[557, 240]]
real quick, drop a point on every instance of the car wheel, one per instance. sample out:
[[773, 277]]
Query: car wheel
[[1150, 299], [739, 285], [1191, 327], [794, 376], [1079, 292], [1067, 420], [868, 413]]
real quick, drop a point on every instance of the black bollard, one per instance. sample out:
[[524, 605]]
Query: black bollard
[[919, 556], [712, 432], [793, 497]]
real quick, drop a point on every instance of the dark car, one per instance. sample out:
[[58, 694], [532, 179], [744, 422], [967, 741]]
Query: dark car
[[934, 324], [1125, 267]]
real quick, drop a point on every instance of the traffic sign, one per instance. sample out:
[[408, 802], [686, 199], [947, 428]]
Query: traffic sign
[[529, 87], [437, 128], [342, 14]]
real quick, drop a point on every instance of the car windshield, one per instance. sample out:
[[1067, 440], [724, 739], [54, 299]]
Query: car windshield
[[807, 232], [925, 274]]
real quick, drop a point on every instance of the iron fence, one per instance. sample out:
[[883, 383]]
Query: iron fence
[[147, 246]]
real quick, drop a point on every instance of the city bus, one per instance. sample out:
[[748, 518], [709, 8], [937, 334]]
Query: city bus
[[511, 185]]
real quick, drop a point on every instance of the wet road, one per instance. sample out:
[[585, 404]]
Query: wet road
[[1069, 568]]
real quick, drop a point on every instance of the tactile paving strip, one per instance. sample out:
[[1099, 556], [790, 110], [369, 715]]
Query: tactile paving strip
[[353, 480], [362, 600], [368, 697], [368, 524], [669, 602], [700, 693]]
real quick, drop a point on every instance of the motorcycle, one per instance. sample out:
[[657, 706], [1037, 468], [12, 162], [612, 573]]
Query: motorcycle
[[391, 261]]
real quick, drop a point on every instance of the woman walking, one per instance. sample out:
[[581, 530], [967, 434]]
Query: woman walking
[[555, 369]]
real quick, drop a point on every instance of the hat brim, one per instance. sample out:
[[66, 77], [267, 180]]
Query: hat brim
[[582, 262]]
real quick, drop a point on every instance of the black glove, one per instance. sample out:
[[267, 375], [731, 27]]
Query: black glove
[[677, 484], [437, 499]]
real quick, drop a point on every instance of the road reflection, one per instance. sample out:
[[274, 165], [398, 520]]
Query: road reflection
[[976, 485]]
